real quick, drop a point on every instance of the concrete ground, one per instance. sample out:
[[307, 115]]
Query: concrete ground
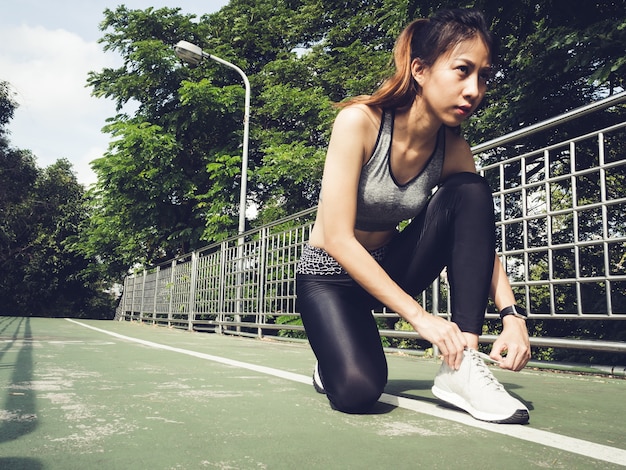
[[119, 395]]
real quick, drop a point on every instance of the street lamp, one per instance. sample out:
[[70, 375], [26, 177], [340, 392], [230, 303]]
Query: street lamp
[[193, 55]]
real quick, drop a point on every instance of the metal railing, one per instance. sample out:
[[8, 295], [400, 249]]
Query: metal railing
[[561, 215]]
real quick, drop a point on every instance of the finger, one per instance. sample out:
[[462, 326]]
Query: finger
[[507, 362], [459, 360], [454, 355], [515, 360], [522, 360], [496, 354], [454, 347], [443, 351], [461, 344]]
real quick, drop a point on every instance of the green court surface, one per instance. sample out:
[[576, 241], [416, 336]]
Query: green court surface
[[118, 395]]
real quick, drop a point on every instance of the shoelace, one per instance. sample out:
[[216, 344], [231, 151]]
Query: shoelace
[[485, 357], [479, 360]]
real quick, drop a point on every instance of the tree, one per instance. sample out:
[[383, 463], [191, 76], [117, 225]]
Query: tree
[[41, 212], [167, 183]]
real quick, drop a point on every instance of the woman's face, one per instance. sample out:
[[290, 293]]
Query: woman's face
[[453, 87]]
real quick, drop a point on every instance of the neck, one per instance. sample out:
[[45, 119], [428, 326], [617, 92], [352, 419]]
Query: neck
[[416, 125]]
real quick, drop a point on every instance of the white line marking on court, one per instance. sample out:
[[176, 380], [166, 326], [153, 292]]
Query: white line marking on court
[[526, 433]]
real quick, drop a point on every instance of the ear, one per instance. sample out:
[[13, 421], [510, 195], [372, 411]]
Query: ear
[[419, 71]]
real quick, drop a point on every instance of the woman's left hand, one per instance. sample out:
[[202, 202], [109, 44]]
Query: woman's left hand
[[512, 348]]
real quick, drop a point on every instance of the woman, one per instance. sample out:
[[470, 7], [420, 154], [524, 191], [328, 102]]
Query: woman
[[386, 154]]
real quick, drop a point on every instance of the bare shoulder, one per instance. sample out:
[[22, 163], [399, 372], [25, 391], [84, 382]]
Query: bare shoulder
[[359, 116], [459, 157], [455, 143], [355, 132]]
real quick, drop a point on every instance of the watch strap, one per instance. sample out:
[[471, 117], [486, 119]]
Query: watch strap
[[515, 310]]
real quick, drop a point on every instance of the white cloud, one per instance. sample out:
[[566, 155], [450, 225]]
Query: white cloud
[[48, 69], [46, 51]]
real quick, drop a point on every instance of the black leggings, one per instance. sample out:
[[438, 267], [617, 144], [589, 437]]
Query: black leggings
[[456, 230]]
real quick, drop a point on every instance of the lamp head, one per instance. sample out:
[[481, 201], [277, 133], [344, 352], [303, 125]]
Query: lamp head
[[188, 52]]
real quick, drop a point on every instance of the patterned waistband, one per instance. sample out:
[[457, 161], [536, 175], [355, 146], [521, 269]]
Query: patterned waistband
[[316, 261]]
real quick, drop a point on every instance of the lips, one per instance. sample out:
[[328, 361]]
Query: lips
[[464, 111]]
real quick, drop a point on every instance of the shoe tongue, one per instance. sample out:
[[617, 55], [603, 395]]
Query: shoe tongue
[[484, 370]]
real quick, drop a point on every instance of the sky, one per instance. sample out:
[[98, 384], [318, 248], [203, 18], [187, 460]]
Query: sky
[[47, 49]]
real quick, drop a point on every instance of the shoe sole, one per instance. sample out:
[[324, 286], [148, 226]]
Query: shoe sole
[[519, 417], [317, 381]]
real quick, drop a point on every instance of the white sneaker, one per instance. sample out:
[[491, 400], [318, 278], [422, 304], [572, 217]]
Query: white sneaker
[[473, 388], [317, 380]]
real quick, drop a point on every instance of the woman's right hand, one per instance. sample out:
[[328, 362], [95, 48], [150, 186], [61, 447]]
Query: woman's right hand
[[444, 334]]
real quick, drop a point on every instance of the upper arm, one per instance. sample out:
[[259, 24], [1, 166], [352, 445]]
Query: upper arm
[[350, 143]]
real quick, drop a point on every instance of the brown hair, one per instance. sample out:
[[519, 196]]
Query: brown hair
[[426, 39]]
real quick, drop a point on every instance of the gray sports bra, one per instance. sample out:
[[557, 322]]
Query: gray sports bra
[[382, 203]]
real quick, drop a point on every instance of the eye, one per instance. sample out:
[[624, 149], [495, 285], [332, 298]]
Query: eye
[[464, 69], [486, 76]]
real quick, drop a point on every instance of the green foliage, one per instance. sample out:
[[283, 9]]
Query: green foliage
[[290, 320], [554, 57], [42, 211]]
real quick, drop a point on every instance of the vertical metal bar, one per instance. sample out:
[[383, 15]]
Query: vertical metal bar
[[605, 224], [222, 287], [503, 247], [132, 300], [172, 293], [143, 296], [550, 257], [127, 296], [525, 216], [156, 292], [193, 277], [575, 209], [548, 190], [239, 282], [435, 306], [262, 262]]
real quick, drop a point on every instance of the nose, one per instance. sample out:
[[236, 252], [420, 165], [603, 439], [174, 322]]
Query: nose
[[473, 87]]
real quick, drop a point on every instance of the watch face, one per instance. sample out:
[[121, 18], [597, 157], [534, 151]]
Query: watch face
[[518, 312]]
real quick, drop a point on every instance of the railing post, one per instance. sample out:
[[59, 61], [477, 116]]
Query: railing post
[[605, 224], [172, 286], [239, 281], [156, 294], [127, 296], [191, 316], [143, 296], [435, 294], [222, 288], [132, 304], [263, 235]]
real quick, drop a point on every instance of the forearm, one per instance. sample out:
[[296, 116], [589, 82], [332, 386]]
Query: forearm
[[513, 340], [501, 291], [503, 297]]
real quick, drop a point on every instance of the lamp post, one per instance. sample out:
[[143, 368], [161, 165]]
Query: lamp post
[[193, 55]]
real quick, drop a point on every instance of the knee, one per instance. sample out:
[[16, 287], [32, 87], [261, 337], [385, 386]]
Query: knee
[[467, 181], [357, 395], [469, 188]]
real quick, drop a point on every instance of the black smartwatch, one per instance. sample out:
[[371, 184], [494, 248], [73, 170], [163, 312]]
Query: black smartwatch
[[515, 310]]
